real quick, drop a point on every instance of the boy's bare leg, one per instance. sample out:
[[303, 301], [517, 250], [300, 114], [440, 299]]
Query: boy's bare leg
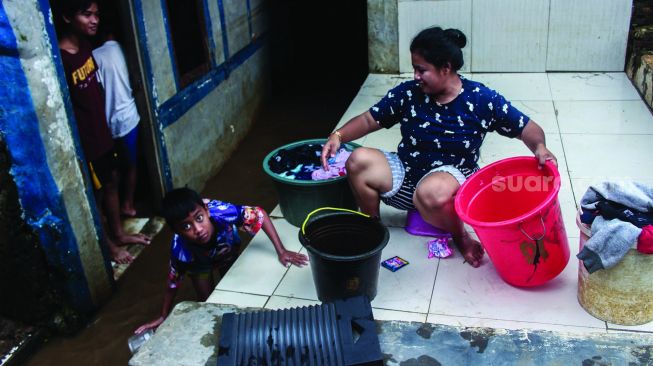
[[128, 208], [119, 255], [112, 209], [434, 199], [369, 173]]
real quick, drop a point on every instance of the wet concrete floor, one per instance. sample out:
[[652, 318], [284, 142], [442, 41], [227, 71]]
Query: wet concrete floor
[[139, 292]]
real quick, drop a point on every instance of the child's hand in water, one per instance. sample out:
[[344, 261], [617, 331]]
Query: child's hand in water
[[151, 325], [287, 258]]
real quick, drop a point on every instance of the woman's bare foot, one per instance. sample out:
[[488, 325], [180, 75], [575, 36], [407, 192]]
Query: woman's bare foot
[[139, 238], [471, 249], [120, 255]]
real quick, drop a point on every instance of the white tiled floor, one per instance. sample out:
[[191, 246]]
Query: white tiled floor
[[598, 127]]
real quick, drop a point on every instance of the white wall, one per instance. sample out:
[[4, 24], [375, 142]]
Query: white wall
[[588, 35], [525, 36]]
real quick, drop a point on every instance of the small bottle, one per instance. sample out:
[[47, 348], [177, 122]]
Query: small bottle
[[136, 341]]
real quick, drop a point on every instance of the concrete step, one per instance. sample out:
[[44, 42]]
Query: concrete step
[[150, 226]]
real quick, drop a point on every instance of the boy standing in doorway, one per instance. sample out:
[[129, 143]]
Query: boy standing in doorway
[[121, 111], [79, 20]]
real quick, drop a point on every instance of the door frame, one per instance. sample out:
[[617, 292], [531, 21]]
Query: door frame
[[150, 127]]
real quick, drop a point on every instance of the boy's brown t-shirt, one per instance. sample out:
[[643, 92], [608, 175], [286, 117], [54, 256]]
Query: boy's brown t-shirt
[[87, 97]]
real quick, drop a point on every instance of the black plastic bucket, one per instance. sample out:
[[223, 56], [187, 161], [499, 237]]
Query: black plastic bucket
[[344, 248]]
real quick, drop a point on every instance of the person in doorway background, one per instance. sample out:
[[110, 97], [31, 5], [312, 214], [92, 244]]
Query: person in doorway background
[[444, 118], [206, 238], [77, 21], [121, 112]]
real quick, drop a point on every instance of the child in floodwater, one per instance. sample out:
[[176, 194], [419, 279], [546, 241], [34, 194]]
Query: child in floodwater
[[206, 238]]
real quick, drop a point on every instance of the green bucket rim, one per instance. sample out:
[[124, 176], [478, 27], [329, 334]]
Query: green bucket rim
[[276, 177]]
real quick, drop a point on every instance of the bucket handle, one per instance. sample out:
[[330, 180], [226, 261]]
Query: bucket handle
[[328, 208], [531, 238]]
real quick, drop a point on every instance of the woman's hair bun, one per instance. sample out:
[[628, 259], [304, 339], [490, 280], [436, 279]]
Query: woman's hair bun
[[456, 36]]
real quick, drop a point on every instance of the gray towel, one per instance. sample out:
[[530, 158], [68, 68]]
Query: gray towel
[[635, 195], [610, 241]]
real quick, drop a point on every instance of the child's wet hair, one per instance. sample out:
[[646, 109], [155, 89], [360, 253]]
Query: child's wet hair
[[110, 24], [440, 47], [178, 203], [69, 8]]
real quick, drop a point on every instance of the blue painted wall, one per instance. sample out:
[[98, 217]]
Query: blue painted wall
[[40, 199]]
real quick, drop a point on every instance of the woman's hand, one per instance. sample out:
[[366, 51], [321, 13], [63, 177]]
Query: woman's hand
[[543, 154], [287, 258], [330, 149], [533, 137], [151, 325], [355, 128]]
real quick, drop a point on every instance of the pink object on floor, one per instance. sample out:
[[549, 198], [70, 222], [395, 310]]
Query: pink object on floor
[[417, 226], [439, 247]]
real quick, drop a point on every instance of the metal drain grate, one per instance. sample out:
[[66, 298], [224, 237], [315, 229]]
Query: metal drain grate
[[331, 334]]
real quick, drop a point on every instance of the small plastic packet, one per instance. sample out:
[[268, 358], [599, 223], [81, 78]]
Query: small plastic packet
[[394, 263], [439, 247]]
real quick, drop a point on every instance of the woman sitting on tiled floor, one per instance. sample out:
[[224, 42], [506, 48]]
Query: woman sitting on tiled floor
[[444, 118]]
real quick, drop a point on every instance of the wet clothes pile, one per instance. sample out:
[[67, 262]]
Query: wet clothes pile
[[621, 218], [336, 167], [303, 163]]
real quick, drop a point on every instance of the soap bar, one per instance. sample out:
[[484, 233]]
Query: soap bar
[[394, 263]]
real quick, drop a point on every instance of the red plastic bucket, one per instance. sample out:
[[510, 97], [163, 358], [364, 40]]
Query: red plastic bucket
[[513, 207]]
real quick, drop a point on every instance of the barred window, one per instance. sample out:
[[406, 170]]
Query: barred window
[[189, 39]]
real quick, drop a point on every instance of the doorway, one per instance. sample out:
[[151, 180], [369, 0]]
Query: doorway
[[149, 183], [150, 186], [139, 146], [318, 47]]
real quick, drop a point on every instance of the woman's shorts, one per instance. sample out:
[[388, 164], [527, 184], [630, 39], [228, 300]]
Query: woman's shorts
[[401, 194]]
